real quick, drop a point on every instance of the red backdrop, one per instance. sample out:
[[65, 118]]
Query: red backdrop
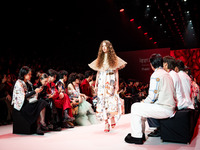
[[191, 58]]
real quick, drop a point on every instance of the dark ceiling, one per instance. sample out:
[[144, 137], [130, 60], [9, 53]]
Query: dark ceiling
[[76, 28]]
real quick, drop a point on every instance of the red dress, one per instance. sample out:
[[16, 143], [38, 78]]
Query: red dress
[[86, 89], [63, 103]]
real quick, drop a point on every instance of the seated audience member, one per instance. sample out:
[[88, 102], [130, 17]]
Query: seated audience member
[[63, 101], [186, 83], [92, 85], [195, 94], [85, 115], [46, 94], [129, 97], [26, 102], [122, 88], [85, 86], [159, 104], [169, 64], [6, 88]]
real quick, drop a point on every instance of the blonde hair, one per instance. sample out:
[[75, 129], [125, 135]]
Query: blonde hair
[[112, 57]]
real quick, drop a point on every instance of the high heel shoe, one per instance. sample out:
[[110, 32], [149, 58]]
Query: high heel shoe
[[107, 127]]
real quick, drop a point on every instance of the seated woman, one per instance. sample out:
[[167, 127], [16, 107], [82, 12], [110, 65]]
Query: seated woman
[[86, 115], [46, 94], [25, 100], [63, 100]]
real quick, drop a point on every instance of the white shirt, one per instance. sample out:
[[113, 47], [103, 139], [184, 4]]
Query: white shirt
[[180, 96], [186, 84], [161, 89]]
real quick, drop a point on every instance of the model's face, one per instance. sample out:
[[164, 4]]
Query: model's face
[[28, 76], [104, 47]]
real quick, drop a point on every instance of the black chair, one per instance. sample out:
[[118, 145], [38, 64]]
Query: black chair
[[179, 128], [21, 125]]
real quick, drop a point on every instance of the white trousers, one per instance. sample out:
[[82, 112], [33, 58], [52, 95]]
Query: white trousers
[[141, 111]]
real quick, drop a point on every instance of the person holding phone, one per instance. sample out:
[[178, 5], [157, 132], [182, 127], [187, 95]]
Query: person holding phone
[[23, 93]]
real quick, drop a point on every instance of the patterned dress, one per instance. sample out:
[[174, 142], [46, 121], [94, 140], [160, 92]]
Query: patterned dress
[[109, 104]]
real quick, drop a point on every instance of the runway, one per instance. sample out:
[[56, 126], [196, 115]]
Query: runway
[[89, 138]]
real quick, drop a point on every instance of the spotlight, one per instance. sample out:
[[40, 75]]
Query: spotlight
[[121, 10]]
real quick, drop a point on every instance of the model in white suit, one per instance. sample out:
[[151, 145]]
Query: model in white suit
[[159, 104]]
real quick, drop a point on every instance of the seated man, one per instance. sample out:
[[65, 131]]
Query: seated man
[[186, 83], [169, 64], [159, 104]]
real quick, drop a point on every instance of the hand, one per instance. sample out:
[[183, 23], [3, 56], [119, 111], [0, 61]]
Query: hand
[[38, 90], [8, 97], [61, 95], [4, 79], [50, 95]]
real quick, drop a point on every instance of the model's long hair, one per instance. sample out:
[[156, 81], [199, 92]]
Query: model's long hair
[[112, 57]]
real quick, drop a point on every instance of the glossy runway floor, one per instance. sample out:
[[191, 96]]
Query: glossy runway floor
[[89, 138]]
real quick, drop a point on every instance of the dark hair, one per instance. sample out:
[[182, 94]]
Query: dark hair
[[43, 76], [24, 71], [94, 77], [81, 76], [62, 73], [72, 77], [156, 60], [52, 72], [189, 71], [180, 65], [130, 80], [171, 61], [88, 73]]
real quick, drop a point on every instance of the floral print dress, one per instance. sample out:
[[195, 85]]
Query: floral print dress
[[109, 104]]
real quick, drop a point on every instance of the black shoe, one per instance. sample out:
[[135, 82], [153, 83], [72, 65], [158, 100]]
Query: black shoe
[[155, 133], [39, 132], [57, 129], [131, 140], [44, 127], [67, 117], [143, 136]]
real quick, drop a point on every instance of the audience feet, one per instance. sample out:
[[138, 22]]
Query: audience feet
[[67, 124], [155, 133], [133, 140], [43, 127], [39, 132]]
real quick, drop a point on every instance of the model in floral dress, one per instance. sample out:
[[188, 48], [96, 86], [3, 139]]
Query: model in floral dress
[[109, 105]]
